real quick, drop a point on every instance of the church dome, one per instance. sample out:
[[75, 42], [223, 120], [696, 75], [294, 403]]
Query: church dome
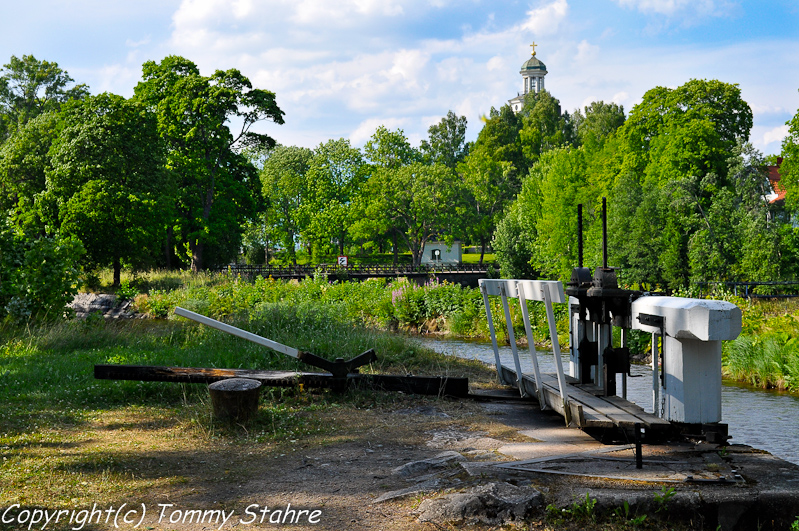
[[533, 64]]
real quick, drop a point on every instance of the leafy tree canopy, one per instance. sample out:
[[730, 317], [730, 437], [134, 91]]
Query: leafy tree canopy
[[215, 183], [108, 180], [447, 141], [29, 87]]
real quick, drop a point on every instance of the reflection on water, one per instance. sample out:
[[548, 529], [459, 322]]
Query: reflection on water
[[762, 419]]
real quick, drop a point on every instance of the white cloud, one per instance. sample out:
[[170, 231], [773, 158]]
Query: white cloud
[[343, 67], [546, 19], [685, 13], [586, 51], [620, 98], [775, 135]]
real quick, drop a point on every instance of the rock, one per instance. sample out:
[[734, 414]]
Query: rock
[[494, 504], [106, 304], [441, 461]]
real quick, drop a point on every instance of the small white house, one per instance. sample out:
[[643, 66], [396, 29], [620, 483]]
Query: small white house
[[441, 253]]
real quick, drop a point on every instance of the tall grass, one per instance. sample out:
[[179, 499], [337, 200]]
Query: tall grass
[[377, 303], [767, 362]]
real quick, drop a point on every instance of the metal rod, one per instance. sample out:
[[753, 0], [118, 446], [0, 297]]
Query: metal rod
[[604, 232], [580, 235], [521, 288], [655, 377], [553, 336], [503, 289], [238, 332], [493, 334]]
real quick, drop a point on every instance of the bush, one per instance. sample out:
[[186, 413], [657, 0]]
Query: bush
[[38, 277]]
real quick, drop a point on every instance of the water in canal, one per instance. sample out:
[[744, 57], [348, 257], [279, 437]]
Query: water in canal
[[762, 419]]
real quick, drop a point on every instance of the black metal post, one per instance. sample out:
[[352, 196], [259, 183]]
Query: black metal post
[[580, 235], [604, 232], [639, 458]]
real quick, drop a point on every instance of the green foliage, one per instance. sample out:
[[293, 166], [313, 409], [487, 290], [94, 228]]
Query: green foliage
[[447, 143], [663, 498], [544, 127], [420, 201], [789, 170], [215, 184], [109, 181], [624, 514], [283, 178], [583, 509], [24, 161], [795, 524], [29, 87], [334, 178], [38, 277]]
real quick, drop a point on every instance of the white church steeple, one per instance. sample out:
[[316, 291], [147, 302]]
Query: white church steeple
[[533, 72]]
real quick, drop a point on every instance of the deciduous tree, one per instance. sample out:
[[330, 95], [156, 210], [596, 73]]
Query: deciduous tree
[[214, 181]]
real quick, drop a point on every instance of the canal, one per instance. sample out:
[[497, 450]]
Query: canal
[[766, 420]]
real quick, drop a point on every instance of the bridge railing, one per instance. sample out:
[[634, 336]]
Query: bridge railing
[[360, 270]]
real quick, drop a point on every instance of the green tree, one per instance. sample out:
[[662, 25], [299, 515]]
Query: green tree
[[24, 160], [673, 165], [515, 236], [491, 186], [29, 87], [284, 187], [543, 126], [215, 182], [419, 199], [109, 181], [447, 141], [387, 150], [789, 169], [38, 276], [597, 122], [334, 179]]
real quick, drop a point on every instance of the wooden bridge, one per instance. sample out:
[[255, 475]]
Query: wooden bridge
[[463, 274]]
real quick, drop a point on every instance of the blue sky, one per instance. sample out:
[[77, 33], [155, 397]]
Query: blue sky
[[340, 68]]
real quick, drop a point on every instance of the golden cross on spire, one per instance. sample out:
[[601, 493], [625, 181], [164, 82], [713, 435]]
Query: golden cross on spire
[[533, 45]]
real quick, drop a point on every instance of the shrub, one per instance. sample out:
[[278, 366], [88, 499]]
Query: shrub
[[38, 277]]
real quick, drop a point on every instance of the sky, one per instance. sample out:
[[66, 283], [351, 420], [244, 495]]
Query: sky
[[341, 68]]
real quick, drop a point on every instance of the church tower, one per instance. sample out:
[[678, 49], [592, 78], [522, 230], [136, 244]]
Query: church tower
[[533, 72]]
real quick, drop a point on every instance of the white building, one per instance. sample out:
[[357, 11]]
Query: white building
[[438, 253], [533, 72]]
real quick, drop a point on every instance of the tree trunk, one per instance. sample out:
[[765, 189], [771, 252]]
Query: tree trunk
[[197, 256], [482, 249], [396, 249], [117, 272], [168, 248]]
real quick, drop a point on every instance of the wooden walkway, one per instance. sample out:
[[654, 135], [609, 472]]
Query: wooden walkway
[[586, 408]]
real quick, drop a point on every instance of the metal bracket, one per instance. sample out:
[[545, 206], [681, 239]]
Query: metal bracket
[[338, 368]]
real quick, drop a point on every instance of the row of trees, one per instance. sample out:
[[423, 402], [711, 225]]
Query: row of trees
[[686, 194], [163, 179], [159, 178]]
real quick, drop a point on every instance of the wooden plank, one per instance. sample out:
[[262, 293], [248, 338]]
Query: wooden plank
[[420, 385], [619, 417], [147, 373], [581, 416], [593, 417], [638, 411]]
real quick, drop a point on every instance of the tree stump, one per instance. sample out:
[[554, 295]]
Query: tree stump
[[234, 399]]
